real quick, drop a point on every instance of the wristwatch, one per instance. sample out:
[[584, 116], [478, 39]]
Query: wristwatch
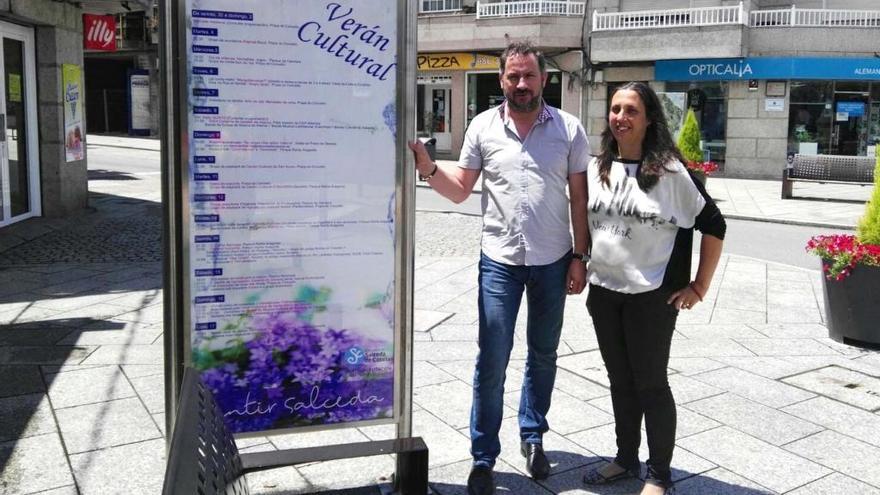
[[584, 257]]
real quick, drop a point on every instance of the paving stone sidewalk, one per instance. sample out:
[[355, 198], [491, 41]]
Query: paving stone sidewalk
[[767, 403]]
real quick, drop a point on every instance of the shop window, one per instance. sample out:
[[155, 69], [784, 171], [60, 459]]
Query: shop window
[[811, 92], [809, 119], [834, 117], [708, 100], [132, 30]]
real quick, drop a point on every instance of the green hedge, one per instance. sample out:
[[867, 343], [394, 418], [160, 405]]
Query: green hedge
[[869, 225]]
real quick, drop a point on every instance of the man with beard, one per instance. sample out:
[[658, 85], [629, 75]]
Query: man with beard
[[528, 152]]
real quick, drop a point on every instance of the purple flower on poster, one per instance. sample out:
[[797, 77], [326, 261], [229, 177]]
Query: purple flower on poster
[[295, 374]]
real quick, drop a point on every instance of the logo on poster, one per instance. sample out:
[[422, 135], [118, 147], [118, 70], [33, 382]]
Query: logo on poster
[[71, 96], [355, 356]]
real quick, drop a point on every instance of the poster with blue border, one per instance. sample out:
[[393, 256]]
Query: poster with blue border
[[138, 96], [292, 175]]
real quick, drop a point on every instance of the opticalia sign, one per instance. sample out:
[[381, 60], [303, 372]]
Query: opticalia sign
[[738, 69], [792, 68], [99, 32]]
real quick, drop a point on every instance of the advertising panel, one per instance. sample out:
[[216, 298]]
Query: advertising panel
[[291, 197], [74, 134], [139, 102]]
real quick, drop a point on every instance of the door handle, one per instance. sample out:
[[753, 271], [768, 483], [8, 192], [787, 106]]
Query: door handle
[[2, 127]]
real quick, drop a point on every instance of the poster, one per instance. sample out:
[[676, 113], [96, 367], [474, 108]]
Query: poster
[[774, 104], [139, 102], [71, 82], [13, 87], [292, 175]]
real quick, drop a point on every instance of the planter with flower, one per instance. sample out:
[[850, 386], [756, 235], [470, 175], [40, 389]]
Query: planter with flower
[[701, 170], [851, 282], [689, 145]]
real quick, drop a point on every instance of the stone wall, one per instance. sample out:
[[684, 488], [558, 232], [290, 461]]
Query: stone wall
[[756, 139]]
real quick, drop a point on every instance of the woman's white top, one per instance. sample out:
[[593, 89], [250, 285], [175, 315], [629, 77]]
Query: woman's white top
[[633, 232]]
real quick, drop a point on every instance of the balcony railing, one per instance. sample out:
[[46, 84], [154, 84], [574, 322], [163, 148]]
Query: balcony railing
[[529, 8], [433, 6], [669, 18], [815, 18]]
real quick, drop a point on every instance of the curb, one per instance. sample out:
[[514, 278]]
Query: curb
[[787, 221], [729, 216]]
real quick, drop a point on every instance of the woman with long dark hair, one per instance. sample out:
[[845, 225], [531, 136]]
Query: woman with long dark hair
[[643, 207]]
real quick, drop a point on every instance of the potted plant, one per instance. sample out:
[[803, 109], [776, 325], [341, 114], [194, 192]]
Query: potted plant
[[851, 264], [807, 144], [689, 145]]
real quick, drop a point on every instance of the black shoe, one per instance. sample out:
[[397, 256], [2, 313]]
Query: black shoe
[[536, 461], [480, 481]]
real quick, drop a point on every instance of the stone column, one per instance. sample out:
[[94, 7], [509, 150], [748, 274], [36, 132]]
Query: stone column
[[64, 184], [756, 139]]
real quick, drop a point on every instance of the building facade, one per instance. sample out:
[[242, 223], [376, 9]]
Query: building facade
[[42, 165], [766, 79], [122, 77], [459, 42]]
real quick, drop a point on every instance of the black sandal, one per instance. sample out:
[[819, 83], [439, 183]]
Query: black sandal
[[595, 477]]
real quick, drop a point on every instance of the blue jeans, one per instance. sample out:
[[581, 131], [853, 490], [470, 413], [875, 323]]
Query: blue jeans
[[501, 287]]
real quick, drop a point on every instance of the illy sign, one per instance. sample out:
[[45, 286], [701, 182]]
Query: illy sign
[[99, 32]]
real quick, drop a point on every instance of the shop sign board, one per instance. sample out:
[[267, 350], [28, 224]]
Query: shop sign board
[[457, 61], [292, 210], [99, 32], [755, 68]]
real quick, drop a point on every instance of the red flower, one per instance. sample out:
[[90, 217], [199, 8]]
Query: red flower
[[702, 167], [841, 253]]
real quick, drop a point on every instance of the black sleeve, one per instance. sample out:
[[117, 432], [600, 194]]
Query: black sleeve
[[710, 220]]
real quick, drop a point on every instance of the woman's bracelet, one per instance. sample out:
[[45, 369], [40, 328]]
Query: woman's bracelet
[[693, 286], [426, 177]]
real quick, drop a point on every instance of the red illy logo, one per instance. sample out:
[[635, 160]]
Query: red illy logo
[[99, 32]]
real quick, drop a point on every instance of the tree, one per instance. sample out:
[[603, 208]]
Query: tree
[[689, 139], [869, 225]]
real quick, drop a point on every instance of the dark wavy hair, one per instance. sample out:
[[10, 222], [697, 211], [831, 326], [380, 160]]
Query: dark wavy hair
[[658, 149], [523, 49]]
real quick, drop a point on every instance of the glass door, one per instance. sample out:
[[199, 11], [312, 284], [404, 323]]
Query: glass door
[[849, 134], [19, 179]]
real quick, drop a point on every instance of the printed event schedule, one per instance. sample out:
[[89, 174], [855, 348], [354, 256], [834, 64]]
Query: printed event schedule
[[291, 192]]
